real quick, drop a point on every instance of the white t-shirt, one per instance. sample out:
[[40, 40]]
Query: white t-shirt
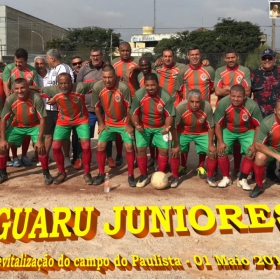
[[273, 14], [52, 79]]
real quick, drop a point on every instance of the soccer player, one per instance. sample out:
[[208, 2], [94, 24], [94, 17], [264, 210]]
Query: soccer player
[[195, 123], [29, 114], [267, 146], [126, 68], [70, 99], [225, 78], [237, 117], [20, 69], [115, 99], [266, 90], [152, 113]]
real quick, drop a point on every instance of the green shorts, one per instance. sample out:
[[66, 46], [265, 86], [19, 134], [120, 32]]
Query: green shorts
[[158, 139], [201, 142], [15, 135], [245, 139], [63, 132], [272, 158], [110, 134]]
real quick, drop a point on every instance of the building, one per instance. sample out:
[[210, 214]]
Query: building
[[20, 30]]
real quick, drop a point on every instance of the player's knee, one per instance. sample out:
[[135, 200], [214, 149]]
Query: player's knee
[[56, 145], [85, 144], [261, 158], [163, 152]]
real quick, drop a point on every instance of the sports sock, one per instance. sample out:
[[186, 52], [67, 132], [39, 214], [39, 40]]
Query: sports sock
[[101, 158], [86, 157], [175, 164], [224, 165], [259, 174], [58, 155], [201, 159], [211, 167], [130, 157], [162, 162], [142, 164]]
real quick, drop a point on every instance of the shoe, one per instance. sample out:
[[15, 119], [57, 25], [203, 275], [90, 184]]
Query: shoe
[[60, 177], [99, 179], [273, 177], [211, 182], [131, 181], [256, 191], [88, 179], [16, 162], [26, 161], [142, 181], [9, 163], [225, 182], [201, 173], [78, 164], [3, 178], [155, 165], [243, 184], [150, 162], [174, 182], [119, 160], [111, 162], [67, 162], [48, 179], [182, 171], [38, 163]]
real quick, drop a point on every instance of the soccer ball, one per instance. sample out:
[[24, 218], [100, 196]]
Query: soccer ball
[[159, 180]]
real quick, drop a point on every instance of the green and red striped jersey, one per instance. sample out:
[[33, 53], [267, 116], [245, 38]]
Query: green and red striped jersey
[[201, 78], [269, 133], [152, 109], [11, 72], [141, 80], [114, 101], [72, 107], [171, 78], [121, 67], [238, 119], [225, 76], [194, 122], [26, 113]]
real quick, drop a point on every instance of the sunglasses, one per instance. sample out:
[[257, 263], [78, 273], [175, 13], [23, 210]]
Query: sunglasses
[[77, 63], [267, 58]]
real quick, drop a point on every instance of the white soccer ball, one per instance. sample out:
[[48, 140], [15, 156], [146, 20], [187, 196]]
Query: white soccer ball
[[159, 180]]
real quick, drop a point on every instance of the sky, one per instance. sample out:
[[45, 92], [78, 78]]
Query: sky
[[127, 17]]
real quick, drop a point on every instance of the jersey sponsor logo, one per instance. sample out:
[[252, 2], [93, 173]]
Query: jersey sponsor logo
[[202, 120], [245, 117], [32, 110], [76, 99], [239, 79], [160, 107], [117, 97], [203, 77]]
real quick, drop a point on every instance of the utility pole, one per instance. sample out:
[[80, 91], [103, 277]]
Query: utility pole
[[154, 16], [273, 34], [111, 47]]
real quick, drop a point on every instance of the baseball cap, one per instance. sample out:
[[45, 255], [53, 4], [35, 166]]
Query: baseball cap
[[268, 52]]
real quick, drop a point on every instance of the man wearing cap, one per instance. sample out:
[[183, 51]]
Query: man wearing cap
[[266, 91]]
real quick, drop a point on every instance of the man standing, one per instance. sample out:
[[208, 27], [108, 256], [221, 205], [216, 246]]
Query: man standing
[[152, 114], [76, 65], [266, 91], [70, 99], [225, 78], [29, 119], [267, 146], [237, 118], [20, 69], [114, 97], [54, 61], [194, 122]]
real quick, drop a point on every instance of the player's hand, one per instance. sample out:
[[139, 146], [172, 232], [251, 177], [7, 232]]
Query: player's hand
[[212, 150], [166, 130], [205, 62], [175, 152], [51, 101], [139, 127], [40, 147], [101, 127], [4, 146], [129, 129], [159, 62], [222, 147], [251, 152]]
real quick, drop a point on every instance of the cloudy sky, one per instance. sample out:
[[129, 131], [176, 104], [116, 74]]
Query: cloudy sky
[[129, 16]]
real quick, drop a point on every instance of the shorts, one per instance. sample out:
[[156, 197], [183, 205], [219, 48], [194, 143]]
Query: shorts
[[63, 132], [15, 135], [51, 119], [110, 134], [245, 139], [158, 139], [201, 142]]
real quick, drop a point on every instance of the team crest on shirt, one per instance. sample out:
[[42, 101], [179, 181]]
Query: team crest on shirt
[[203, 77], [174, 75], [160, 107], [117, 97], [32, 110], [76, 99], [239, 79], [245, 117], [202, 120]]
